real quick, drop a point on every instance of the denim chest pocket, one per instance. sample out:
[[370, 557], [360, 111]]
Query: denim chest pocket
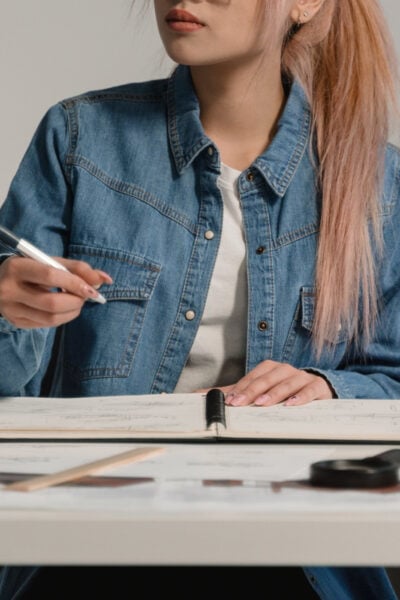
[[298, 343], [101, 342]]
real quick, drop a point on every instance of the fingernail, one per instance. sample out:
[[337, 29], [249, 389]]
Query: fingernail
[[263, 399], [292, 401], [229, 397], [239, 400], [89, 291], [106, 276]]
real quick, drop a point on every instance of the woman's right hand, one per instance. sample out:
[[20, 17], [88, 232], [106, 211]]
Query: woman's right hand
[[26, 297]]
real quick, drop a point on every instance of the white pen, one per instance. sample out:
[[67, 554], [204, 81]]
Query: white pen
[[25, 248]]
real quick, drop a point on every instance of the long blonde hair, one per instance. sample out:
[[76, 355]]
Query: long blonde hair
[[345, 60]]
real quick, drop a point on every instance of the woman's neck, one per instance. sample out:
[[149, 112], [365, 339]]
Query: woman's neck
[[239, 108]]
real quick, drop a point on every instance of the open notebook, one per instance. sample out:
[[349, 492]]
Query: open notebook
[[196, 416]]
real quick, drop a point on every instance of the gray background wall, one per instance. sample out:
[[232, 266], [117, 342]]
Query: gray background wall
[[51, 49]]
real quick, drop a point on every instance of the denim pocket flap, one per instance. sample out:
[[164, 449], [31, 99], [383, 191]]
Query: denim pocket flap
[[134, 277], [308, 310], [307, 307]]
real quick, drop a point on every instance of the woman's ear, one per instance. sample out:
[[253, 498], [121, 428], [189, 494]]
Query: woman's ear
[[304, 10]]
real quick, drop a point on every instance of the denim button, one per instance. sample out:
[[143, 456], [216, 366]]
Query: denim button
[[250, 176], [190, 315], [210, 151], [260, 250], [209, 235], [263, 325]]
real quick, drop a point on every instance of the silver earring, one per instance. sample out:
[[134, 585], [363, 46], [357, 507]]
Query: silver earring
[[304, 15]]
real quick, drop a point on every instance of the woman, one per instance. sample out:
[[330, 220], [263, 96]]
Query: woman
[[238, 216]]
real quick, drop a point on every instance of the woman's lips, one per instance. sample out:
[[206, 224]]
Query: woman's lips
[[182, 21]]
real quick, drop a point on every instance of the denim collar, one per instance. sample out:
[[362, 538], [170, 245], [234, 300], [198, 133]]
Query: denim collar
[[279, 161], [186, 133]]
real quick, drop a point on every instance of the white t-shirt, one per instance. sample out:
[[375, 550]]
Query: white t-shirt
[[218, 353]]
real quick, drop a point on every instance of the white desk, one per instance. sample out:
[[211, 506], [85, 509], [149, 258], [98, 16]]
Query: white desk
[[176, 518]]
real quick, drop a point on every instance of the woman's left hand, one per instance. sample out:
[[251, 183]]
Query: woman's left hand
[[273, 382]]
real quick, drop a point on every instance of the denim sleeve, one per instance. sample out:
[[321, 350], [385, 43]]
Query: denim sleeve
[[36, 208], [374, 373]]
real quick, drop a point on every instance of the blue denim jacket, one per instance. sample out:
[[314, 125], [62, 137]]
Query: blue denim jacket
[[126, 179]]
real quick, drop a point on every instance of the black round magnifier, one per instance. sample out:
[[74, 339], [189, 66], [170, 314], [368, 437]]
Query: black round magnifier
[[374, 471]]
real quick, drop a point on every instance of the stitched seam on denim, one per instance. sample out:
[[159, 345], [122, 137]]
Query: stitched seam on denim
[[296, 235], [73, 129], [173, 337], [307, 307], [175, 332], [291, 337], [263, 339], [248, 316], [114, 254], [176, 329], [308, 313], [72, 134], [131, 190], [270, 286], [125, 365], [95, 373], [281, 182], [182, 159], [128, 292], [195, 150], [173, 127], [112, 97]]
